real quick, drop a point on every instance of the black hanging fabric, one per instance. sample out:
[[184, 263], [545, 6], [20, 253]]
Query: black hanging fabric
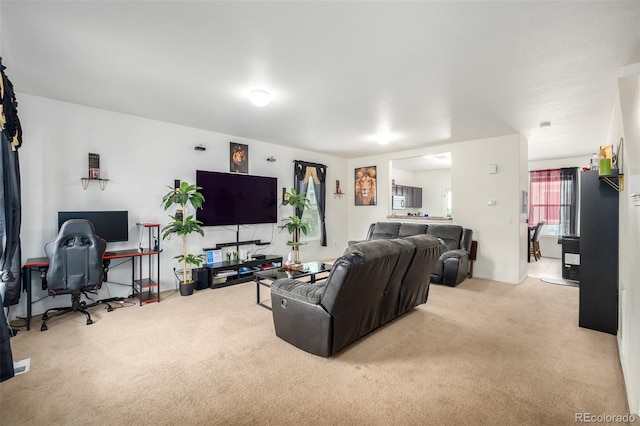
[[10, 215], [305, 172], [568, 202]]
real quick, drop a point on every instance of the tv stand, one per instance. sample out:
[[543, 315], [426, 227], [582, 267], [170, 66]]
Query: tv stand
[[240, 271]]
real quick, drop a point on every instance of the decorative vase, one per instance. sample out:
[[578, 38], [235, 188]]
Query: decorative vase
[[186, 289]]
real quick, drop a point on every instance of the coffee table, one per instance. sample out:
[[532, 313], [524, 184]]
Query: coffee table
[[268, 276]]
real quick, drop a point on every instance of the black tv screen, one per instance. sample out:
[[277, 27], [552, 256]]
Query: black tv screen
[[237, 199], [112, 226]]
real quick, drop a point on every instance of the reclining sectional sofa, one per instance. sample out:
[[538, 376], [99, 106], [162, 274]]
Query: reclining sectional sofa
[[453, 266], [372, 283]]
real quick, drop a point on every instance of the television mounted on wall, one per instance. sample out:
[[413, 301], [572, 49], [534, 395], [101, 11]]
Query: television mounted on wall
[[237, 199]]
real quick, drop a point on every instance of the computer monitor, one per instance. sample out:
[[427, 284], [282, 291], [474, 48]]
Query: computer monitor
[[112, 226]]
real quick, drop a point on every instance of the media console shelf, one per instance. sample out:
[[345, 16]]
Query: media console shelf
[[238, 271]]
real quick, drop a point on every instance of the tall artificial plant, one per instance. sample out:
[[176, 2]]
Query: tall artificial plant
[[183, 225], [295, 225]]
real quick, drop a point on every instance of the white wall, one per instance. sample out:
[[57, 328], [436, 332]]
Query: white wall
[[549, 246], [433, 184], [625, 123], [141, 158], [501, 245]]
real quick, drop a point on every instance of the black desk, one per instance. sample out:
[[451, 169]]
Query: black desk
[[42, 263]]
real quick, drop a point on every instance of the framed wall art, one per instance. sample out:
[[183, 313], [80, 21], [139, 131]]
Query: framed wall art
[[365, 189], [238, 158]]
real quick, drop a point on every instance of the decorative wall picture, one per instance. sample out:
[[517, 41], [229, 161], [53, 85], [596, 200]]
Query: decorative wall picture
[[94, 166], [238, 158], [365, 186]]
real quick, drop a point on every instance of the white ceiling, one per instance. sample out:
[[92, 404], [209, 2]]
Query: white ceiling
[[427, 73]]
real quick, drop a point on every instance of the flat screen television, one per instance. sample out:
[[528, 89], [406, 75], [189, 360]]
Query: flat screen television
[[237, 199], [112, 226]]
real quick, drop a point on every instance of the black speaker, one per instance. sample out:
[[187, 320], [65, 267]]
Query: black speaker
[[202, 277]]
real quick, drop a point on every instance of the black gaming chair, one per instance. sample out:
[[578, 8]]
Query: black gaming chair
[[75, 266]]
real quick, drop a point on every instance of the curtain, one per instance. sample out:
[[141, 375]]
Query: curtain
[[10, 213], [544, 196], [568, 202], [305, 172], [10, 262]]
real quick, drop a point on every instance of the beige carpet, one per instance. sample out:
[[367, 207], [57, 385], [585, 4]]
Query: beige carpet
[[482, 353]]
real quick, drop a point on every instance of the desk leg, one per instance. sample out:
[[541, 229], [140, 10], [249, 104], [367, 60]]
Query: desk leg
[[26, 285]]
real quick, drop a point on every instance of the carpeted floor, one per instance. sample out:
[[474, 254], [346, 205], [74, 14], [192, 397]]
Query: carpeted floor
[[481, 353]]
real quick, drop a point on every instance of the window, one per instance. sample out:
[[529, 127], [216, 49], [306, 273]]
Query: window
[[545, 200], [553, 197], [311, 216]]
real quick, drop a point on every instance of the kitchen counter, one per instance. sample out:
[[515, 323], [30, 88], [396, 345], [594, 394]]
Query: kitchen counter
[[422, 218]]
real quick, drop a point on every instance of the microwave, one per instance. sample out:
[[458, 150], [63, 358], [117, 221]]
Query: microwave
[[397, 202]]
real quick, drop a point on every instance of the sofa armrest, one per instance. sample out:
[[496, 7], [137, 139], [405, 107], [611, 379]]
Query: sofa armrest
[[455, 254], [455, 268], [299, 290], [299, 318]]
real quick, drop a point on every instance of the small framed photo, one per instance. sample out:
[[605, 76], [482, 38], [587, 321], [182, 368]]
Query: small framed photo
[[365, 186], [238, 158]]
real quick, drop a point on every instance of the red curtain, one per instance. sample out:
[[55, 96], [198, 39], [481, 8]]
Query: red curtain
[[544, 196]]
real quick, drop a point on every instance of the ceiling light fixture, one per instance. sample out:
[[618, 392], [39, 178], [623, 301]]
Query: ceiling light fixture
[[259, 98], [545, 124]]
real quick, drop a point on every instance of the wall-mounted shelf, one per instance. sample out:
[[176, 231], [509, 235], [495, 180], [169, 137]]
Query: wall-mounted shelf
[[614, 181], [102, 182]]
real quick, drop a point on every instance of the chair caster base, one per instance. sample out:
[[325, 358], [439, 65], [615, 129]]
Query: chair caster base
[[89, 321], [44, 328]]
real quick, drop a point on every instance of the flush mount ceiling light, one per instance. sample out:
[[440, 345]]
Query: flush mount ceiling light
[[383, 139], [259, 98], [545, 124]]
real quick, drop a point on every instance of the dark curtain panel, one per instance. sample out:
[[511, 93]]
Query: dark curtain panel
[[10, 262], [568, 202], [317, 174]]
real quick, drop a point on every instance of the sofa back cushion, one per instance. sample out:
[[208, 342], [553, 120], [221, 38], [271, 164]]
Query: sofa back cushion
[[415, 284], [389, 309], [409, 229], [385, 231], [449, 234], [355, 289]]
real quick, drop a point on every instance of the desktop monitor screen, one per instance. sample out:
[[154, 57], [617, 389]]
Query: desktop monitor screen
[[112, 226]]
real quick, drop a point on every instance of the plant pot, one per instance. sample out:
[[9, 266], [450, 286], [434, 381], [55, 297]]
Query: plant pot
[[186, 289]]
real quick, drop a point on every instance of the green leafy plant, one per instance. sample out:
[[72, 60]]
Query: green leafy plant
[[183, 225], [293, 224]]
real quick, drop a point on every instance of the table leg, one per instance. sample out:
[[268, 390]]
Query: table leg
[[26, 285]]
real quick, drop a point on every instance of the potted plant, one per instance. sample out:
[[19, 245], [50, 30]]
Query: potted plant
[[183, 225], [295, 225]]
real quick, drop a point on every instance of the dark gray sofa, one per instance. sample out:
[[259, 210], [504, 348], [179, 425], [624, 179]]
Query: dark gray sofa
[[453, 266], [372, 283]]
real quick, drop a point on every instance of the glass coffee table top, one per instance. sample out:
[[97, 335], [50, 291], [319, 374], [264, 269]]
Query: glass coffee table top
[[308, 269], [266, 277]]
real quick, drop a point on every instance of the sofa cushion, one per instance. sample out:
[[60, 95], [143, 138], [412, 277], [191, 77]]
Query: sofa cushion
[[410, 229], [450, 234], [385, 230]]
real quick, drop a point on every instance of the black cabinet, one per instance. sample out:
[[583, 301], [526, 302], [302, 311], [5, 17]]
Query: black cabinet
[[598, 254], [412, 195]]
